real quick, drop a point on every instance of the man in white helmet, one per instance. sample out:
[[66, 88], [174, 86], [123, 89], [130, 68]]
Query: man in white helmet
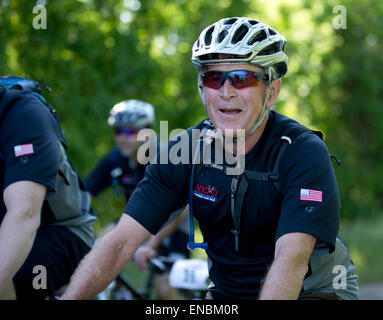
[[123, 170], [120, 167], [270, 229]]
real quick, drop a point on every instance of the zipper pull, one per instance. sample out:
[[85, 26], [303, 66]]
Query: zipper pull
[[234, 183], [235, 232], [236, 239]]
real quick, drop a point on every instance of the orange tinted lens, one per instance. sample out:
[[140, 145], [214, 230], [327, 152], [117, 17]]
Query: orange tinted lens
[[213, 79], [238, 79], [243, 79]]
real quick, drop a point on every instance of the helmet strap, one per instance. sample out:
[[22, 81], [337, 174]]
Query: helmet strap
[[264, 110], [263, 113]]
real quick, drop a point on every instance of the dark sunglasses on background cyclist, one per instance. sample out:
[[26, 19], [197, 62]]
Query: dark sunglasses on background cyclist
[[125, 131], [239, 79]]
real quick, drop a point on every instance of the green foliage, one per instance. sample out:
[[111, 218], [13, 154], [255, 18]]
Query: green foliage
[[95, 53], [364, 240]]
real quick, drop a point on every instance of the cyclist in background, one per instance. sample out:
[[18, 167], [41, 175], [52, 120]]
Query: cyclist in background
[[122, 170]]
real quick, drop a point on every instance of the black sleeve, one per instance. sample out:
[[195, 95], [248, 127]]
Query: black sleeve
[[311, 202], [29, 143], [100, 178]]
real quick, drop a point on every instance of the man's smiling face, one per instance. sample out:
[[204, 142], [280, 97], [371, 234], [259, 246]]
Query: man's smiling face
[[231, 108]]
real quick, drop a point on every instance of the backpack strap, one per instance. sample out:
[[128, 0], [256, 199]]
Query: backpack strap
[[273, 176], [285, 142], [239, 186]]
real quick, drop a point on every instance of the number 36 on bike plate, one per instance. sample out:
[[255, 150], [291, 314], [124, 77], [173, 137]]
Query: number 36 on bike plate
[[190, 274]]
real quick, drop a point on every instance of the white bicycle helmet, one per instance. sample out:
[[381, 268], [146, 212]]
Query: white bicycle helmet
[[241, 40], [245, 40], [131, 113]]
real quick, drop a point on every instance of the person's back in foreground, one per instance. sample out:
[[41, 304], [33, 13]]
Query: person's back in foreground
[[45, 213], [271, 220]]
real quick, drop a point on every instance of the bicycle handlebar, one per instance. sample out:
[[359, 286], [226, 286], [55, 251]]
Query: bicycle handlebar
[[162, 263]]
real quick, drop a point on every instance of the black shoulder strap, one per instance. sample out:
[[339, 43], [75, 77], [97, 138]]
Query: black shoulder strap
[[238, 191], [285, 141]]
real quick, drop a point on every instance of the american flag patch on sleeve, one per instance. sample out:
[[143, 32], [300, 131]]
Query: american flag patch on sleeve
[[311, 195], [23, 149]]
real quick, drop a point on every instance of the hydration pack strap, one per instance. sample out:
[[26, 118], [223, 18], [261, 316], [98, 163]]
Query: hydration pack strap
[[240, 184], [273, 176], [238, 189]]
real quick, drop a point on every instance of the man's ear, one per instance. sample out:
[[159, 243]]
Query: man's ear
[[201, 89], [275, 88]]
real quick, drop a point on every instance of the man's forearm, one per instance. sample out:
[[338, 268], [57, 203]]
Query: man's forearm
[[103, 263], [106, 259], [284, 281], [17, 235], [285, 277], [23, 200]]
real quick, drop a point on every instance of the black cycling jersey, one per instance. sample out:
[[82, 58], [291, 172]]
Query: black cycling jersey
[[308, 202], [114, 169], [27, 153]]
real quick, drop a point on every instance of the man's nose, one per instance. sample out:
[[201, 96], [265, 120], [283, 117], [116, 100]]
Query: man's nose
[[227, 90]]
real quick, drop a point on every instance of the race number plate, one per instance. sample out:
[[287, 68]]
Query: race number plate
[[190, 274]]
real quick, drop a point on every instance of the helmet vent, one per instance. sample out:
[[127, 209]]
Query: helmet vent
[[197, 45], [230, 21], [272, 32], [258, 37], [239, 34], [222, 35], [208, 36], [273, 48], [281, 68], [253, 22]]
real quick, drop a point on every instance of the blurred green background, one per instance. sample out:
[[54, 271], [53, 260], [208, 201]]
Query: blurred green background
[[95, 53]]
